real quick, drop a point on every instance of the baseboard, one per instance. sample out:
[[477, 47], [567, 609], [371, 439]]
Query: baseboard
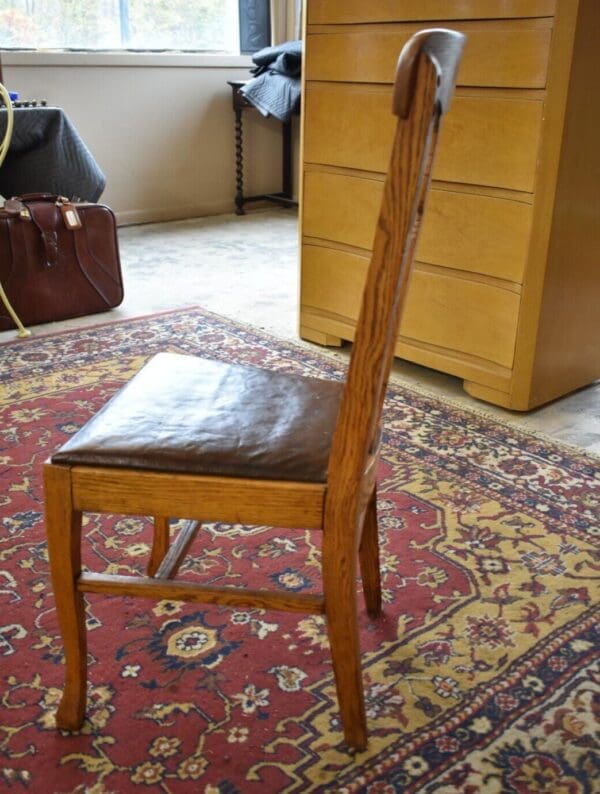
[[162, 214]]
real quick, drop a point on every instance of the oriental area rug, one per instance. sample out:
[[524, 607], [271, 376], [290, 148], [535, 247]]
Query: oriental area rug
[[481, 675]]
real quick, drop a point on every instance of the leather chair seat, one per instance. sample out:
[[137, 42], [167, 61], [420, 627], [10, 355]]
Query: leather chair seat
[[193, 415]]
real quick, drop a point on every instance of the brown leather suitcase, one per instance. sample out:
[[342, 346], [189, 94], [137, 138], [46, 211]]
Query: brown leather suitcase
[[58, 259]]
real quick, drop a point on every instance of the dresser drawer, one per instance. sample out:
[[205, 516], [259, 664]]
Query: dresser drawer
[[512, 54], [325, 12], [484, 140], [341, 208], [332, 281], [464, 231], [467, 316], [474, 233], [451, 313]]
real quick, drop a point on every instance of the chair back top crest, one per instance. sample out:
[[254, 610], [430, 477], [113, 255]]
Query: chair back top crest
[[444, 48], [423, 87]]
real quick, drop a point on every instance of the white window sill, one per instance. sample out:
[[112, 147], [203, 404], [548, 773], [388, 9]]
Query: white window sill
[[201, 60]]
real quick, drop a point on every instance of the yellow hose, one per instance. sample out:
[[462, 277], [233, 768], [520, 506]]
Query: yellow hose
[[3, 152]]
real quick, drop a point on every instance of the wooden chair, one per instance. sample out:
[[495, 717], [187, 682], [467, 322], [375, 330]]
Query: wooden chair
[[209, 441]]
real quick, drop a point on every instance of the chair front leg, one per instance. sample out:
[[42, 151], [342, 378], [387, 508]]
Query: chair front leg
[[63, 528], [339, 588], [160, 544], [369, 559]]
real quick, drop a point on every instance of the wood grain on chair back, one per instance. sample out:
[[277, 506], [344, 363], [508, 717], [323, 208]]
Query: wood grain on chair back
[[423, 87]]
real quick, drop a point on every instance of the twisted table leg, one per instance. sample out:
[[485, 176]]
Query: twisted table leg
[[239, 164]]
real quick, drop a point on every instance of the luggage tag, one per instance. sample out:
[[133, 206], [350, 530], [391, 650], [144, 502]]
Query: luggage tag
[[69, 213]]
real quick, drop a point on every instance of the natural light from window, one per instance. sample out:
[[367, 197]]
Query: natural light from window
[[196, 25]]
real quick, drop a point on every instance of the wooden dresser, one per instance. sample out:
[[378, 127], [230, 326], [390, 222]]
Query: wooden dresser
[[506, 289]]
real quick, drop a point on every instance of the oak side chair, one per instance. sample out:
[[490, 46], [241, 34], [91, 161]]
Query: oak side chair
[[208, 441]]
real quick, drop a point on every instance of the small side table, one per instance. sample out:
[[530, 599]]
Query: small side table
[[240, 104]]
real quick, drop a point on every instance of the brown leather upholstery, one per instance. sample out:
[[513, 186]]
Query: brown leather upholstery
[[187, 414]]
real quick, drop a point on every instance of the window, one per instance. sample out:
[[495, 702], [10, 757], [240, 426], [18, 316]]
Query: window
[[205, 25]]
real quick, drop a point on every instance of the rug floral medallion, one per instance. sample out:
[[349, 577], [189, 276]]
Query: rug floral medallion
[[481, 675]]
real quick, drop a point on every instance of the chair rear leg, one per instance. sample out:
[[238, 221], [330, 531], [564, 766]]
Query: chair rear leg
[[369, 559], [160, 544], [63, 528], [339, 587]]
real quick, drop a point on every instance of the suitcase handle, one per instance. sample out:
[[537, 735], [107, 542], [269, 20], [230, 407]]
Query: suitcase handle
[[40, 197], [29, 209], [17, 204]]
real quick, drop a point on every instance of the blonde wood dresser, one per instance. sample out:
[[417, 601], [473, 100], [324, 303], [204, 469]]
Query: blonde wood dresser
[[506, 288]]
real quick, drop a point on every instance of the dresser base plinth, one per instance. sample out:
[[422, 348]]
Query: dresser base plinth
[[320, 337], [488, 395]]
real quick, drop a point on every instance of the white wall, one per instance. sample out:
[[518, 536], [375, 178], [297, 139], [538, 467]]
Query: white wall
[[161, 127]]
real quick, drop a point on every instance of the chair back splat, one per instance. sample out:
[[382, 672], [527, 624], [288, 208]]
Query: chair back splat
[[252, 446], [424, 83], [423, 87]]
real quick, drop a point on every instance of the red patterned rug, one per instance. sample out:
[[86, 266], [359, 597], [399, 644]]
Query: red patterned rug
[[481, 676]]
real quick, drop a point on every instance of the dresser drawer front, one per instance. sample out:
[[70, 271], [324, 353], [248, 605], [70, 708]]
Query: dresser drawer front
[[474, 233], [341, 208], [484, 140], [332, 281], [497, 54], [467, 316], [325, 12], [464, 231], [490, 141], [451, 313]]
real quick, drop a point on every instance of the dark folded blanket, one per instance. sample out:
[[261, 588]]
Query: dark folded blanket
[[285, 58], [47, 155], [275, 89]]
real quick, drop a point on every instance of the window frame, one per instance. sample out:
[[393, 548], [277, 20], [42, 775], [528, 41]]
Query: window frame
[[124, 58], [254, 33]]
